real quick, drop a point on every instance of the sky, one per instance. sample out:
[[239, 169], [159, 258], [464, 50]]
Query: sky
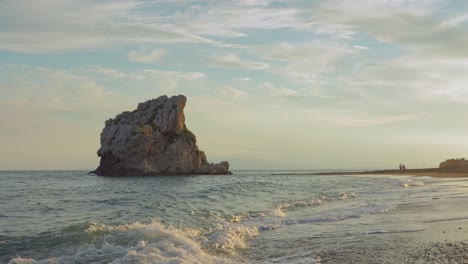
[[281, 84]]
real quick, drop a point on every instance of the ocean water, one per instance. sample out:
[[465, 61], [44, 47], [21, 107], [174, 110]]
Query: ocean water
[[248, 217]]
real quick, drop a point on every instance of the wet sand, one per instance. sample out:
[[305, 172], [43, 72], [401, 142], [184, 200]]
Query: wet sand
[[440, 238], [439, 243]]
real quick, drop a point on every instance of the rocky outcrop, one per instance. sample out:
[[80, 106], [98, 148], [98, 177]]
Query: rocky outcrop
[[153, 140], [454, 164]]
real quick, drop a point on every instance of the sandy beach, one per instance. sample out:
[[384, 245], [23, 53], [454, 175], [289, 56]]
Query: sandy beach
[[440, 242]]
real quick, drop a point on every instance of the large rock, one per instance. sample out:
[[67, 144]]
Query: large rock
[[153, 140]]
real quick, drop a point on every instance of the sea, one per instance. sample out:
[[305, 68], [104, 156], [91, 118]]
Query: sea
[[248, 217]]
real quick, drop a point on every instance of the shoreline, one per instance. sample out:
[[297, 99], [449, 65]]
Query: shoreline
[[431, 172]]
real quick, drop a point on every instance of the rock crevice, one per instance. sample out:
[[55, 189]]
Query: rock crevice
[[153, 140]]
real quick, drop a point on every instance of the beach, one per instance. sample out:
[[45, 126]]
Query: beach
[[444, 240], [431, 172]]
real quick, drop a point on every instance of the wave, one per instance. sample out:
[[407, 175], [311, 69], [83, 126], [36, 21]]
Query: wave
[[281, 208], [288, 205], [218, 239], [154, 243], [410, 183]]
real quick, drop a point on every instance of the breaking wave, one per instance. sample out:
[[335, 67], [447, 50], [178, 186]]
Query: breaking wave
[[150, 243], [291, 205]]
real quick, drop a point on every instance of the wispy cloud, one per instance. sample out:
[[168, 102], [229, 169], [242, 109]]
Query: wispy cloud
[[234, 92], [454, 22], [424, 30], [146, 56], [176, 75], [277, 91], [365, 121], [163, 81], [411, 79], [47, 88], [243, 79], [361, 47], [145, 74], [233, 61], [43, 29], [305, 62]]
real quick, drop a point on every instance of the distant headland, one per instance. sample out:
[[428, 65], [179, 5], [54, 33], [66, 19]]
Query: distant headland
[[153, 140], [447, 168]]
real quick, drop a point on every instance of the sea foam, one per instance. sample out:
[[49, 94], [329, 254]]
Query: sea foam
[[156, 243], [282, 207]]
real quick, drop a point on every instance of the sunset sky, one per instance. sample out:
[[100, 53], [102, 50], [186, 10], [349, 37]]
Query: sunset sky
[[333, 84]]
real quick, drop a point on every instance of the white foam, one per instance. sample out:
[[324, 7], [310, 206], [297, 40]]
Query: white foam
[[163, 245], [228, 240], [20, 260], [280, 209], [342, 196], [276, 212], [299, 203], [410, 183], [149, 243], [95, 228]]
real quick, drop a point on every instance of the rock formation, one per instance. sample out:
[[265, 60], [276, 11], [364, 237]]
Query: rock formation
[[153, 140], [454, 164]]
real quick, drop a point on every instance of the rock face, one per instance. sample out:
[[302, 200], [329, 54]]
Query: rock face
[[153, 140]]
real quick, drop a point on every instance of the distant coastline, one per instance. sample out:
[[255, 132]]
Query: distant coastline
[[433, 172]]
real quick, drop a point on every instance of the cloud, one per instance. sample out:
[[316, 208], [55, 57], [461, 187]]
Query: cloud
[[175, 75], [305, 62], [363, 121], [114, 73], [411, 80], [91, 89], [257, 2], [277, 91], [233, 92], [64, 90], [454, 22], [414, 25], [361, 47], [54, 25], [145, 74], [243, 79], [44, 29], [233, 19], [57, 25], [162, 81], [145, 56], [233, 61]]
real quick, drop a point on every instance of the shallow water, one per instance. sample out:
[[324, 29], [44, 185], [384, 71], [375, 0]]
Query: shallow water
[[248, 217]]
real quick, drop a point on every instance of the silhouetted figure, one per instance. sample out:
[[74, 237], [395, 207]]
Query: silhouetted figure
[[403, 167]]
